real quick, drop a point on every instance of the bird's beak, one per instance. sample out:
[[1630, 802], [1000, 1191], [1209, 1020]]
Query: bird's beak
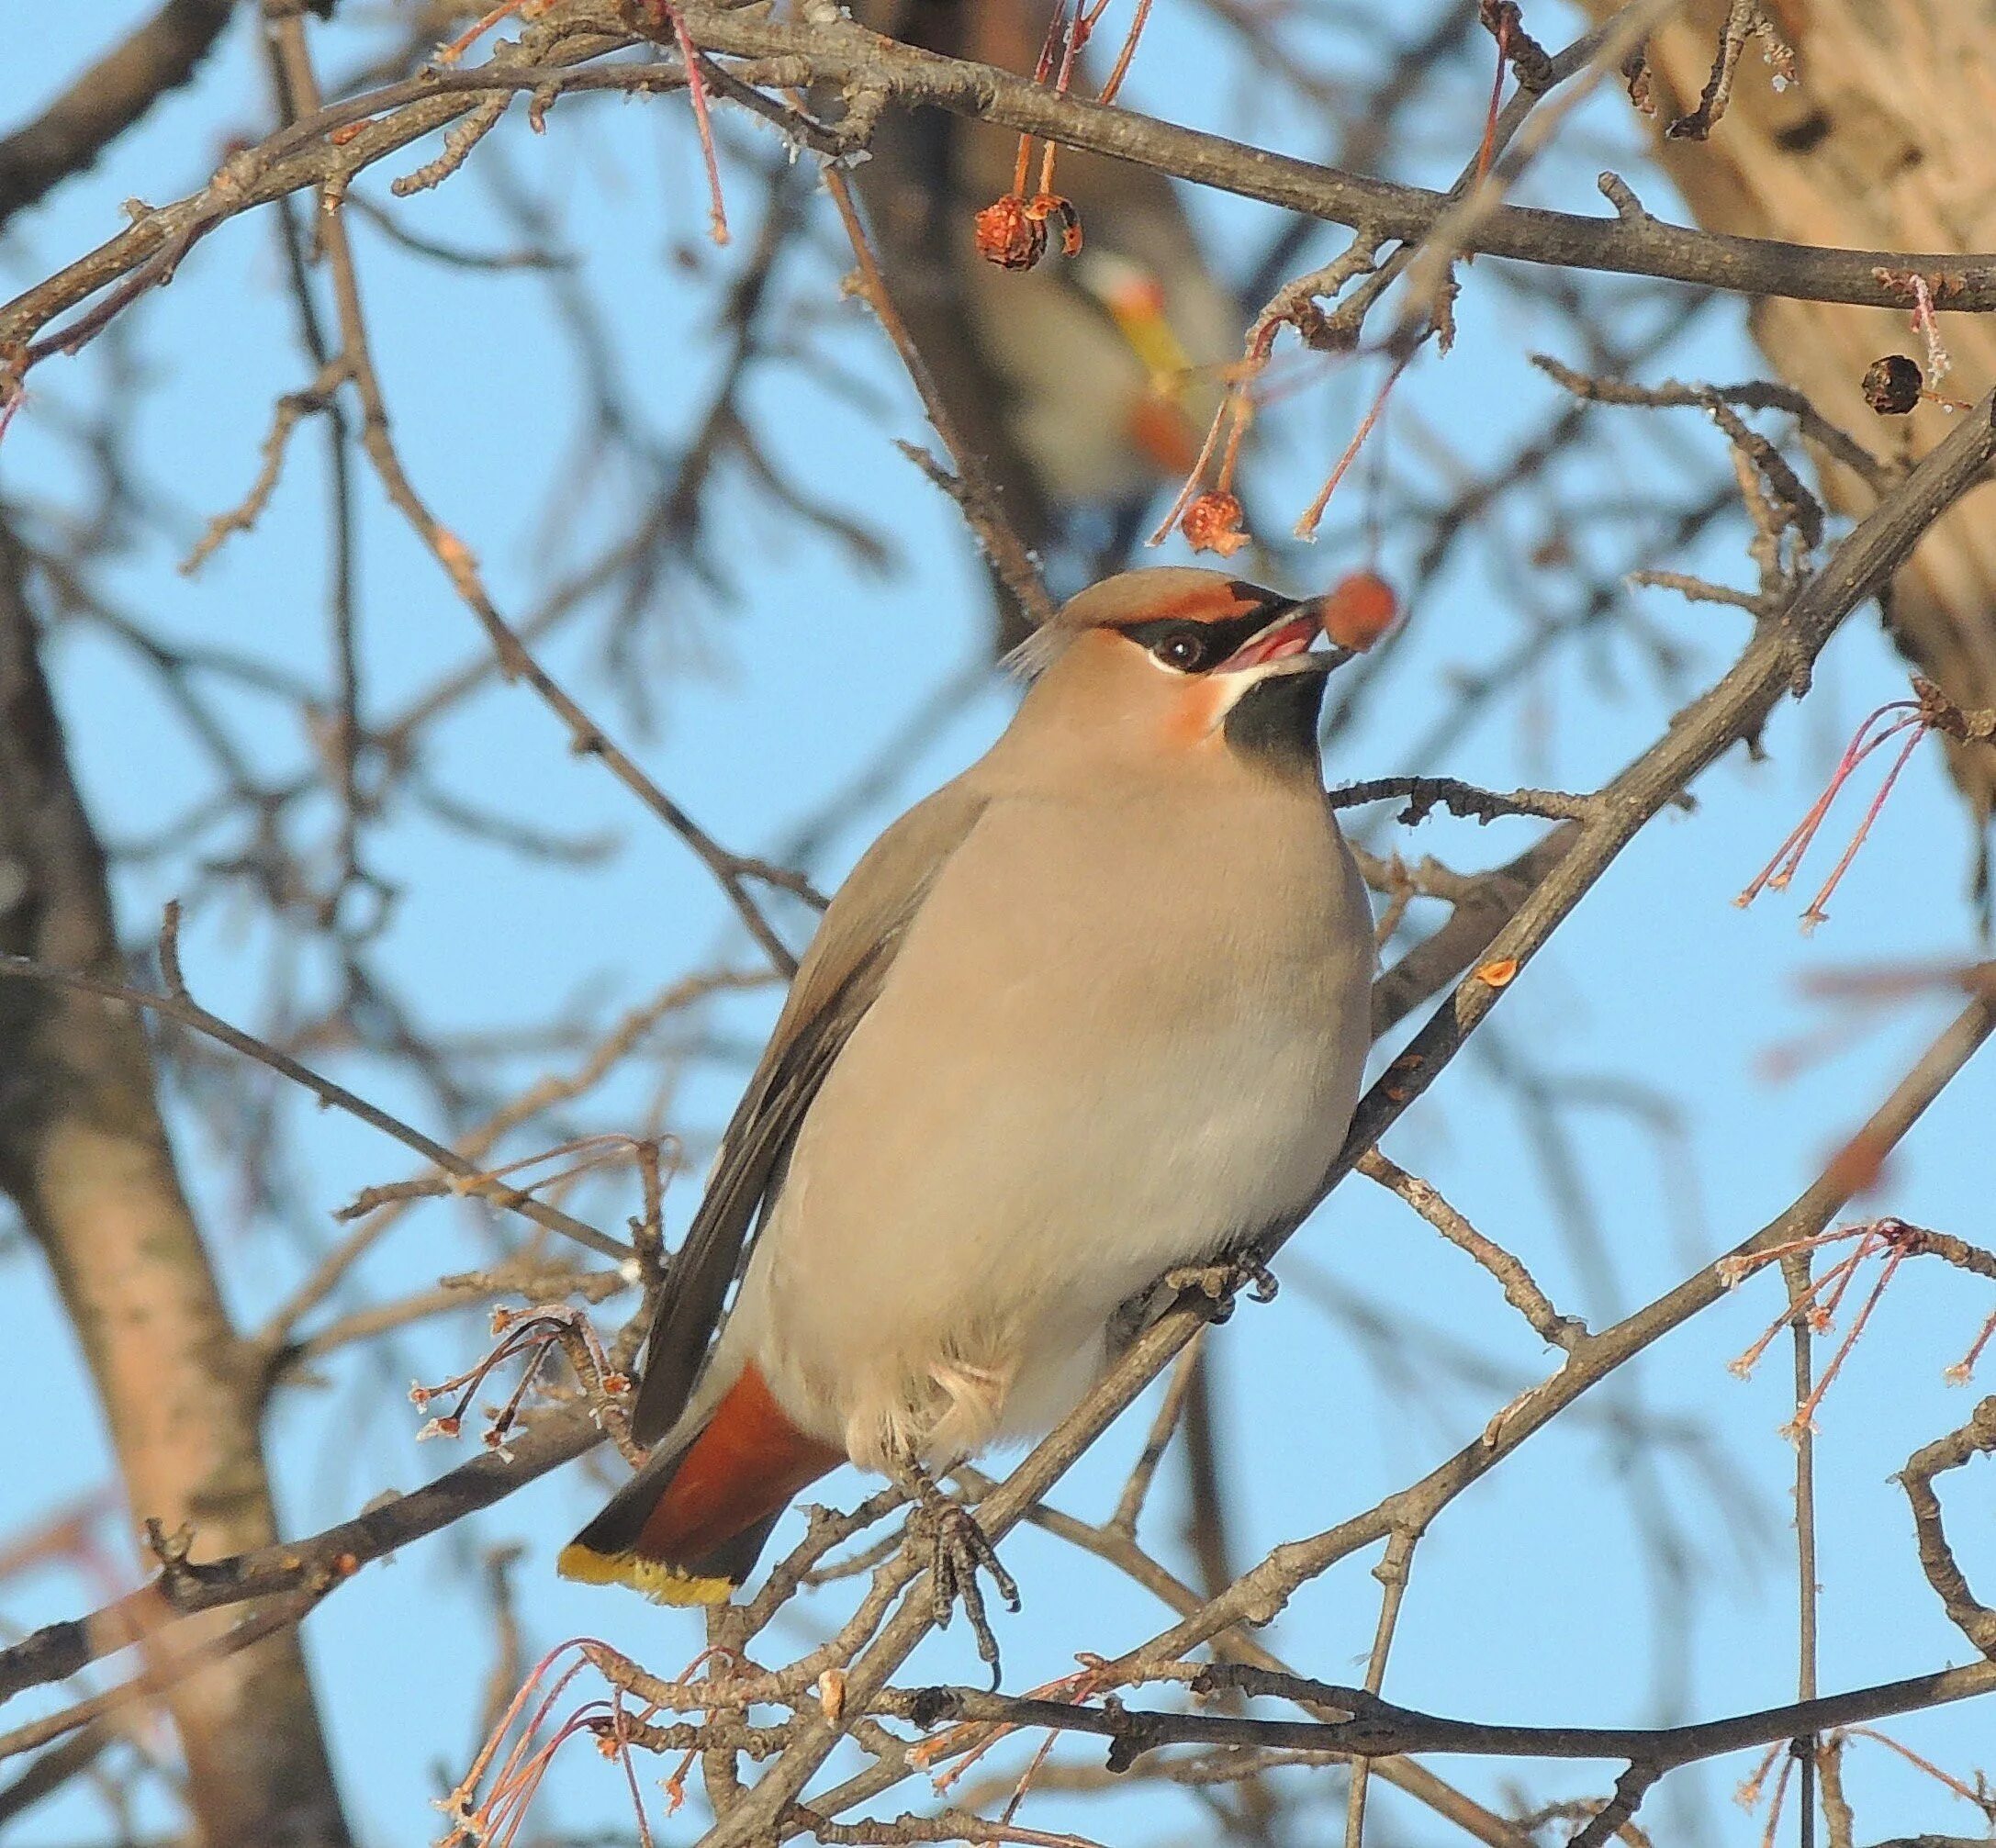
[[1284, 645]]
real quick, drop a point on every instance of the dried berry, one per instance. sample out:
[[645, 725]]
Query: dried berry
[[1893, 385], [1052, 208], [1009, 235], [1213, 523]]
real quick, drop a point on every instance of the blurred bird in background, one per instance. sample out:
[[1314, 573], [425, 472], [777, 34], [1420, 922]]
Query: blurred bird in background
[[1086, 382]]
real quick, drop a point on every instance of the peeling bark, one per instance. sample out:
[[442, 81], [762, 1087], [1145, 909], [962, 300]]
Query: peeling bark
[[85, 1154]]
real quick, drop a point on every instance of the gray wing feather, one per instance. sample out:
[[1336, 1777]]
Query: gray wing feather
[[841, 975]]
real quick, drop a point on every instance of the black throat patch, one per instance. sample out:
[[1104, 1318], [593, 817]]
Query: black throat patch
[[1275, 723]]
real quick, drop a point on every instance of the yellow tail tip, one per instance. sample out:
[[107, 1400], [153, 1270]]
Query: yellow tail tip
[[664, 1584]]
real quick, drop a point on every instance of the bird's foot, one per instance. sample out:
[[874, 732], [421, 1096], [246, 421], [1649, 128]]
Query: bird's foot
[[962, 1550], [1222, 1283], [959, 1551]]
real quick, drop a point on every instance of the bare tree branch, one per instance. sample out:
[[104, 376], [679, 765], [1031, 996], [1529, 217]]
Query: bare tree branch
[[1378, 1728]]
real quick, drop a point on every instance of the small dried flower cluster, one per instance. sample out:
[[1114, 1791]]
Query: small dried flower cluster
[[1212, 523], [1011, 230], [1928, 710], [536, 1332], [1891, 1238]]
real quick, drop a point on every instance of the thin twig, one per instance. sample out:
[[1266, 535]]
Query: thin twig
[[176, 1004], [1519, 1291], [974, 488], [1392, 1573]]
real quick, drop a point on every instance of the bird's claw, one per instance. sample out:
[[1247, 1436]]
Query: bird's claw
[[962, 1550], [1222, 1283], [959, 1551]]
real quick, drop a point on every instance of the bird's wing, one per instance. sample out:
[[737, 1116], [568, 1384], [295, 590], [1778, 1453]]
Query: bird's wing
[[840, 977]]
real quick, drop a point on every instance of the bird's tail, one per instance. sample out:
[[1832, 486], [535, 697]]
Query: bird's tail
[[688, 1526]]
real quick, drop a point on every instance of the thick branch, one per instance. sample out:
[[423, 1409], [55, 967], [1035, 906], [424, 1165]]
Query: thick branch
[[1378, 1728], [1873, 141], [1490, 903], [837, 51], [106, 100], [840, 52], [314, 1565]]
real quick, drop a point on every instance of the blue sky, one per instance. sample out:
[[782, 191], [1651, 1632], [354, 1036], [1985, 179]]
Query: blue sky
[[1536, 1598]]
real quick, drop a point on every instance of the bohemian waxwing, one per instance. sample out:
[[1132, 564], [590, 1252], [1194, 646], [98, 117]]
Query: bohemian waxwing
[[1096, 1010]]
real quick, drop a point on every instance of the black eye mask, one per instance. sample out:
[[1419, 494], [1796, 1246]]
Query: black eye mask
[[1193, 647]]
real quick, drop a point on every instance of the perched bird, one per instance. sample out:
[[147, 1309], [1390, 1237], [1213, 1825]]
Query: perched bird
[[1094, 1009]]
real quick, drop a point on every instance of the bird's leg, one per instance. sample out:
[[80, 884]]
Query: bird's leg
[[959, 1551], [1221, 1283]]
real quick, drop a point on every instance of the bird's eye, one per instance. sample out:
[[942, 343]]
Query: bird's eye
[[1184, 650]]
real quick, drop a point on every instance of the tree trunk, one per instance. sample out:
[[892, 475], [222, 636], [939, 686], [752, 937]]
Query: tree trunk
[[1884, 143], [85, 1154]]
